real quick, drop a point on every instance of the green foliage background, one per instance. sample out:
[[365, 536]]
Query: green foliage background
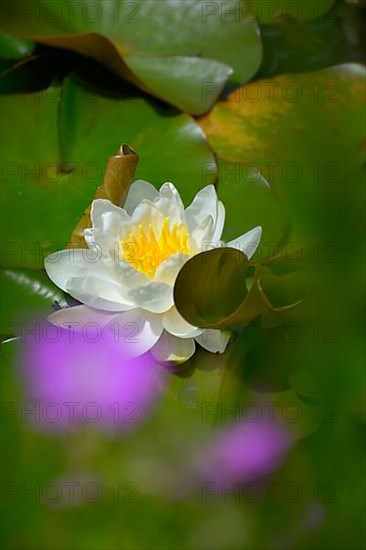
[[269, 107]]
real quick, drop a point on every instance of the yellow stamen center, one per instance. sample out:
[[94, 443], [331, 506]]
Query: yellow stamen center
[[146, 252]]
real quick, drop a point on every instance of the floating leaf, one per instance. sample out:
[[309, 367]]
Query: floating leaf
[[138, 41], [14, 48], [305, 134], [27, 75], [192, 84], [51, 171], [250, 201], [295, 11], [24, 292]]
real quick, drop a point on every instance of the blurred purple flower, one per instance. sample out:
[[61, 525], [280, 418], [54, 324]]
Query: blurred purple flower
[[243, 452], [72, 381]]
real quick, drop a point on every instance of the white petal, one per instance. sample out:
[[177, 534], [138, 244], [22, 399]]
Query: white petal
[[220, 222], [155, 297], [107, 220], [174, 323], [147, 213], [99, 294], [107, 243], [203, 204], [170, 204], [172, 349], [169, 269], [138, 191], [107, 216], [79, 316], [129, 276], [213, 340], [247, 243], [202, 236], [95, 237], [136, 330], [80, 262]]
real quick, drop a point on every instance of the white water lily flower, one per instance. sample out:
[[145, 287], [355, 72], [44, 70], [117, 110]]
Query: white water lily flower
[[125, 277]]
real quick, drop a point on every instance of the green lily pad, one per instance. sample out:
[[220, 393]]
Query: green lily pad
[[293, 47], [294, 11], [250, 201], [322, 360], [31, 74], [189, 83], [53, 164], [14, 48], [24, 292], [305, 133], [141, 36]]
